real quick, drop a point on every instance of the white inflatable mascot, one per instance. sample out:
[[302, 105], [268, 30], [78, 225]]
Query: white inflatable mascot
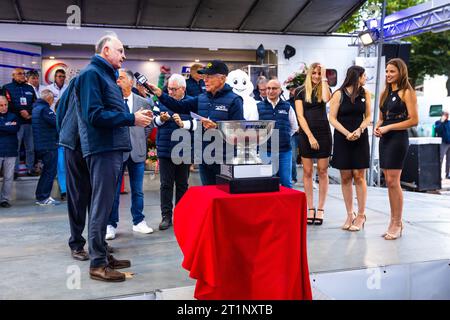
[[241, 84]]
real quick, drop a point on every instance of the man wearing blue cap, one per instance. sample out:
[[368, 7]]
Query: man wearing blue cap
[[218, 103]]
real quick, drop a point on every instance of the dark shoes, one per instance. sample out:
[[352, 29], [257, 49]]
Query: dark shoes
[[32, 173], [106, 274], [5, 204], [63, 196], [165, 223], [113, 263], [80, 255], [109, 249]]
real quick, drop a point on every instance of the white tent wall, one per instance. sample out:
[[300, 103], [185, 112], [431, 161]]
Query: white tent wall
[[333, 51]]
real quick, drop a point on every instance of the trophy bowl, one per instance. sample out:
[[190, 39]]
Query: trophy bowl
[[246, 136]]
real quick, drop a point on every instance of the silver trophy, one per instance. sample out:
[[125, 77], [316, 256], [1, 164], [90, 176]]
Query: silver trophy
[[243, 172]]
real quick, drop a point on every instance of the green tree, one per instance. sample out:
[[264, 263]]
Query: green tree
[[430, 52], [356, 21]]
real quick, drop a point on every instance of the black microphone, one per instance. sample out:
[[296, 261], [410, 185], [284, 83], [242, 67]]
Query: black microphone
[[142, 80]]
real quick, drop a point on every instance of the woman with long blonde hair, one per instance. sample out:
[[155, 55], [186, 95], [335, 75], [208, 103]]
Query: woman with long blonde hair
[[398, 106], [315, 136]]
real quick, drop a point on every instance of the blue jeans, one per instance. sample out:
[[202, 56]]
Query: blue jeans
[[136, 174], [25, 133], [61, 170], [49, 159], [283, 168], [208, 173], [294, 147]]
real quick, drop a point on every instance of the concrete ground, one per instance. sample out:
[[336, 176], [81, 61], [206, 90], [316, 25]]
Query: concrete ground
[[35, 260]]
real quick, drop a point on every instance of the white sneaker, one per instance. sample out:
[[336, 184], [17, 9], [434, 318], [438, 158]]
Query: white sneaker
[[110, 232], [142, 227], [48, 202]]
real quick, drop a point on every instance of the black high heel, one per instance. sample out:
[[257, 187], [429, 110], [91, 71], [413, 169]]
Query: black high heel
[[311, 220], [318, 221]]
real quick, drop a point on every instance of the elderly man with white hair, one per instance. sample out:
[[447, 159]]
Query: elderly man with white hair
[[103, 121], [171, 173], [45, 139]]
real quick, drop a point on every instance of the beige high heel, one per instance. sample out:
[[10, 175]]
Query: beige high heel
[[390, 236], [355, 227], [347, 226]]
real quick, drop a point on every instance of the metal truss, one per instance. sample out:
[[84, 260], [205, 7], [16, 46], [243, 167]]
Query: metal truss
[[436, 18]]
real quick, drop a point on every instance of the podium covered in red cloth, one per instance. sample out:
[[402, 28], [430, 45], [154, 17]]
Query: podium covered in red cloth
[[244, 246]]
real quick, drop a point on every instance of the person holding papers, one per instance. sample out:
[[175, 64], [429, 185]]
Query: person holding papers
[[218, 103]]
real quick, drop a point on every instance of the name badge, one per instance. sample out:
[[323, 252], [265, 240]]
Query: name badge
[[23, 101], [221, 108]]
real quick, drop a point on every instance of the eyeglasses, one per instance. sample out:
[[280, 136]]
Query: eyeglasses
[[173, 89], [273, 88]]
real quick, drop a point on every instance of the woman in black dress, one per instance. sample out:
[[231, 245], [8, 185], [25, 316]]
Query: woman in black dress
[[315, 136], [350, 116], [398, 107]]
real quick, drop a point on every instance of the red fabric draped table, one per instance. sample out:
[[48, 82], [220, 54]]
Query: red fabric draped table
[[244, 246]]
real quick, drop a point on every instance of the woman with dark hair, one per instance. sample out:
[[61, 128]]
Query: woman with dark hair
[[350, 116], [315, 136], [398, 107]]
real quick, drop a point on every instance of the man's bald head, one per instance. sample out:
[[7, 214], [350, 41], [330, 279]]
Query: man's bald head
[[273, 90], [111, 49], [19, 75], [3, 104]]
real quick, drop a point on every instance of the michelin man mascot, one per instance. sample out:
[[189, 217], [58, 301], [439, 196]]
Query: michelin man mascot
[[241, 84]]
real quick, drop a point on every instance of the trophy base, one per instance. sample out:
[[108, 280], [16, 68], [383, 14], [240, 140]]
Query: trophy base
[[247, 185], [246, 170]]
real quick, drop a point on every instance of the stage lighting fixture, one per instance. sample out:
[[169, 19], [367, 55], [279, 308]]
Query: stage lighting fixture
[[368, 37]]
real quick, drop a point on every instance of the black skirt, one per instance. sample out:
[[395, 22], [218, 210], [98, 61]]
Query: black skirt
[[350, 155], [393, 149], [322, 133]]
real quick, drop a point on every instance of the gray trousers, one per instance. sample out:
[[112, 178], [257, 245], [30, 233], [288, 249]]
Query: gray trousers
[[445, 151], [8, 164], [25, 133]]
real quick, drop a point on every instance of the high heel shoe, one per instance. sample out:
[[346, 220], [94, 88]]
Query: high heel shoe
[[311, 220], [318, 221], [347, 226], [354, 227], [390, 236]]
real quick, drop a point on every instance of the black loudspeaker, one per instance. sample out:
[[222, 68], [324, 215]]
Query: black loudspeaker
[[260, 52], [289, 52], [422, 169], [397, 50]]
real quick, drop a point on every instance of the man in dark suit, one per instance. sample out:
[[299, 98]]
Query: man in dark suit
[[134, 161], [102, 124]]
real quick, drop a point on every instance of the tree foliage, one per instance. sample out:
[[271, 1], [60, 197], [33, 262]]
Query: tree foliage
[[430, 52]]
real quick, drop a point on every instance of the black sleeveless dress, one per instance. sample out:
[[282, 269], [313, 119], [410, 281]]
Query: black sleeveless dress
[[348, 155], [394, 144], [315, 114]]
